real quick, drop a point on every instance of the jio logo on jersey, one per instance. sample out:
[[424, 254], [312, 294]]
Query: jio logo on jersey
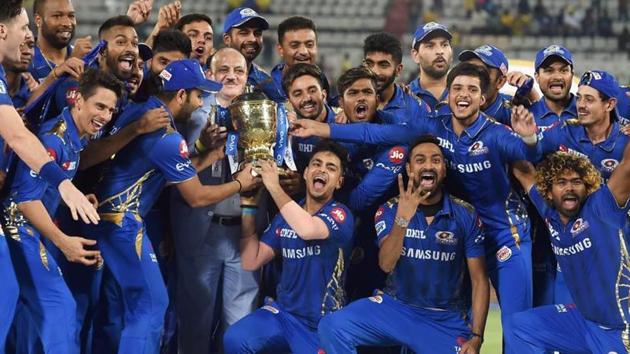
[[609, 165], [477, 149], [338, 214], [397, 155], [578, 226]]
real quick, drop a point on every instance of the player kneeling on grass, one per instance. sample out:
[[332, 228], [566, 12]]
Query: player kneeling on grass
[[314, 239], [426, 239], [585, 222]]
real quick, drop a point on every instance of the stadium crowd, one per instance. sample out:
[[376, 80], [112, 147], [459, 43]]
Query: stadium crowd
[[135, 221]]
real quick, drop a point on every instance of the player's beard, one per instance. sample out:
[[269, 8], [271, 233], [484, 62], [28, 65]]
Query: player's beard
[[51, 36], [313, 116], [435, 73], [384, 84]]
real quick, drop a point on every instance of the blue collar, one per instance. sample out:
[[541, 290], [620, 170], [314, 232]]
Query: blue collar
[[541, 106], [607, 145], [416, 87], [397, 100], [494, 107], [473, 130]]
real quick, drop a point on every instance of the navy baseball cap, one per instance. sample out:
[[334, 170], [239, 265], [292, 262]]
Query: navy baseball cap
[[428, 28], [602, 81], [553, 51], [187, 74], [489, 55], [240, 15]]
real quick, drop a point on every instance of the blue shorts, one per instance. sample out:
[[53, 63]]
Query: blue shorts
[[563, 328], [270, 330], [384, 321]]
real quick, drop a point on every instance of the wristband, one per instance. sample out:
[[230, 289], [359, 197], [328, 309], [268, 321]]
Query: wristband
[[200, 146], [402, 222], [52, 173], [55, 77], [249, 210], [530, 140]]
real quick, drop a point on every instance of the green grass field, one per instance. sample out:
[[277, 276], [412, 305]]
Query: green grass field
[[492, 340]]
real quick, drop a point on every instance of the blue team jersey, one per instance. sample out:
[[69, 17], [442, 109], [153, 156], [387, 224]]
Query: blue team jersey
[[545, 117], [593, 254], [432, 263], [623, 105], [61, 139], [5, 99], [261, 80], [477, 160], [404, 107], [134, 179], [426, 96], [41, 67], [605, 156], [303, 147], [373, 174], [311, 284]]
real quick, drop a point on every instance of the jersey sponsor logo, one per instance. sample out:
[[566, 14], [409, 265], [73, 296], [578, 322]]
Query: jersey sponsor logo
[[71, 95], [446, 144], [271, 309], [52, 153], [429, 255], [578, 226], [393, 169], [445, 238], [379, 213], [305, 147], [303, 252], [368, 163], [377, 299], [321, 351], [480, 238], [338, 214], [183, 149], [555, 234], [69, 165], [396, 155], [413, 233], [563, 308], [504, 253], [380, 227], [609, 165], [3, 88], [477, 149], [331, 221], [582, 245], [471, 167], [180, 166], [564, 148], [286, 233]]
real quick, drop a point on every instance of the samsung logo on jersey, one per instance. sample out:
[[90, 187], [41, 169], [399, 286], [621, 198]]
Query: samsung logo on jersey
[[412, 233], [427, 254], [471, 167], [572, 250], [299, 253]]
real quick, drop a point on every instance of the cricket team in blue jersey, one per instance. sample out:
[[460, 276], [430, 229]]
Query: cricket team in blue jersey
[[386, 216]]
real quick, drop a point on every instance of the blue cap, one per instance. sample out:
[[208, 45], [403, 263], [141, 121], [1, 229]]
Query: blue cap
[[187, 74], [602, 81], [424, 30], [489, 55], [239, 16], [553, 50]]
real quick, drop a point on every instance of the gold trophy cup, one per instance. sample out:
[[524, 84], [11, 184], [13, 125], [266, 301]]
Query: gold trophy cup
[[254, 117]]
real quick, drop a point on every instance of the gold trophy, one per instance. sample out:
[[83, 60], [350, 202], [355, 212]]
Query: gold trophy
[[254, 117]]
